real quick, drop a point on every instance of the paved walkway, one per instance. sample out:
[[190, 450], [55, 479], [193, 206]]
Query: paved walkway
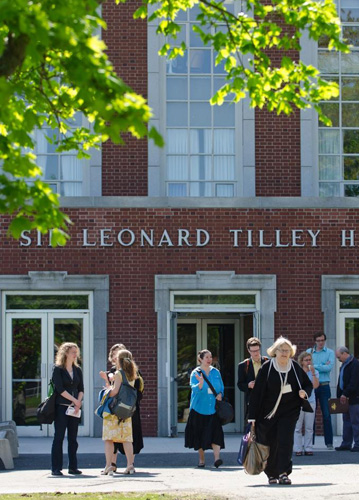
[[166, 466]]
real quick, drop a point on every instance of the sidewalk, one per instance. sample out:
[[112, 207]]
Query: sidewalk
[[164, 465], [40, 446]]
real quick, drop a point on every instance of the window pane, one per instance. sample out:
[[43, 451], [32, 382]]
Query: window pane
[[200, 189], [201, 141], [201, 168], [177, 190], [225, 190], [351, 168], [70, 168], [49, 165], [177, 168], [42, 143], [178, 65], [350, 89], [327, 189], [181, 37], [177, 88], [177, 141], [350, 115], [200, 61], [329, 168], [328, 62], [224, 141], [329, 141], [177, 114], [351, 35], [224, 168], [47, 301], [71, 189], [351, 141], [195, 39], [200, 114], [215, 299], [200, 88], [349, 301], [331, 110], [218, 68], [351, 190], [224, 115], [350, 63], [349, 11]]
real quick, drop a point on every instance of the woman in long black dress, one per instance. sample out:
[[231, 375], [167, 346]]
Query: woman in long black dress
[[274, 407]]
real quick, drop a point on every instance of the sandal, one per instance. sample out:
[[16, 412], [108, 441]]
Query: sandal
[[284, 479], [272, 480], [298, 453], [201, 465], [308, 453]]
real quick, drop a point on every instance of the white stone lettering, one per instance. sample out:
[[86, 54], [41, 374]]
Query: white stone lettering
[[261, 240], [165, 239], [236, 233], [24, 236], [183, 235], [296, 235], [122, 233], [85, 242], [278, 243], [314, 236], [200, 233], [104, 237], [148, 238], [350, 238]]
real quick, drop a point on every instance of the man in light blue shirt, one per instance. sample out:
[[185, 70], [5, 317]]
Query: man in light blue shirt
[[323, 361]]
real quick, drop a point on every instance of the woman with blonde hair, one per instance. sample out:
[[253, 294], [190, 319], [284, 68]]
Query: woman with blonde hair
[[306, 418], [69, 387], [113, 430], [274, 407]]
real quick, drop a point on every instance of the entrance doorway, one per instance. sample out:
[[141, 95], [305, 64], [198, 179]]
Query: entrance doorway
[[31, 342], [225, 338]]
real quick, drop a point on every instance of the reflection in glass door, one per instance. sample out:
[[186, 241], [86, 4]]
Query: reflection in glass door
[[221, 337], [32, 340], [27, 349]]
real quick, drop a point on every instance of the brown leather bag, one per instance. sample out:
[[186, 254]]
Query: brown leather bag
[[335, 406], [257, 455]]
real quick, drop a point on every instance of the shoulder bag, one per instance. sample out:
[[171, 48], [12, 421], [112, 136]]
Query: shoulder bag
[[46, 410], [123, 405], [306, 406], [224, 409]]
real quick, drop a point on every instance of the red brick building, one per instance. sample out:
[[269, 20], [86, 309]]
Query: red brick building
[[245, 224]]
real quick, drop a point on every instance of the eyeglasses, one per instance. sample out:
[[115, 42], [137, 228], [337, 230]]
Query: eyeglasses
[[254, 350], [284, 351], [320, 340], [308, 360]]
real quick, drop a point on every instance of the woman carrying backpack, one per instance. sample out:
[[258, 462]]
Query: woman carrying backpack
[[113, 430]]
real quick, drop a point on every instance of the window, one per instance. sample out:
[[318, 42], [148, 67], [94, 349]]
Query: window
[[200, 138], [339, 144], [62, 171]]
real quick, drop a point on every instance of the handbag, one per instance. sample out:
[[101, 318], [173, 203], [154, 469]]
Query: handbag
[[257, 455], [335, 406], [46, 410], [244, 445], [224, 409]]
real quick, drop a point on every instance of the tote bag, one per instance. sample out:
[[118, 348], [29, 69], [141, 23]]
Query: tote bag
[[256, 458]]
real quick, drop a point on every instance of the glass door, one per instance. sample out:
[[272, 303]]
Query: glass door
[[32, 339], [349, 332], [221, 337]]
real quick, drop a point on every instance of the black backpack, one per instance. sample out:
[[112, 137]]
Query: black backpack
[[123, 405]]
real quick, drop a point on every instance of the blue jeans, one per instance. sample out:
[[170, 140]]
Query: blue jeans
[[63, 422], [322, 394], [351, 427]]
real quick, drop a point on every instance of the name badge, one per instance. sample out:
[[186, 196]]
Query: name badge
[[209, 391], [286, 388]]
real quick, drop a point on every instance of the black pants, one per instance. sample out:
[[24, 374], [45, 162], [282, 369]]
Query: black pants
[[63, 422], [278, 434]]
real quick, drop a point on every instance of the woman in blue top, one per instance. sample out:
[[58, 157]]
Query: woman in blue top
[[204, 430]]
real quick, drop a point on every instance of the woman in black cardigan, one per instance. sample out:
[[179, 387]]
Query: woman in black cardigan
[[69, 387], [274, 407]]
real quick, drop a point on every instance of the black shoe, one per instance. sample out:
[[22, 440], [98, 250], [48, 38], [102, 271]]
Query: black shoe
[[218, 463], [342, 448], [56, 473], [76, 472], [355, 449]]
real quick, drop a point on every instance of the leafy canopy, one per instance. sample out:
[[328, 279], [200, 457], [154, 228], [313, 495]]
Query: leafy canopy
[[53, 65]]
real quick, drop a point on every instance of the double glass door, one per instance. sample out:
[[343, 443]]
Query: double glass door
[[32, 340], [221, 337]]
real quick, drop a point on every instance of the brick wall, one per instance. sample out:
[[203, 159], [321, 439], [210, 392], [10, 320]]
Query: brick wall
[[132, 319], [124, 168]]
